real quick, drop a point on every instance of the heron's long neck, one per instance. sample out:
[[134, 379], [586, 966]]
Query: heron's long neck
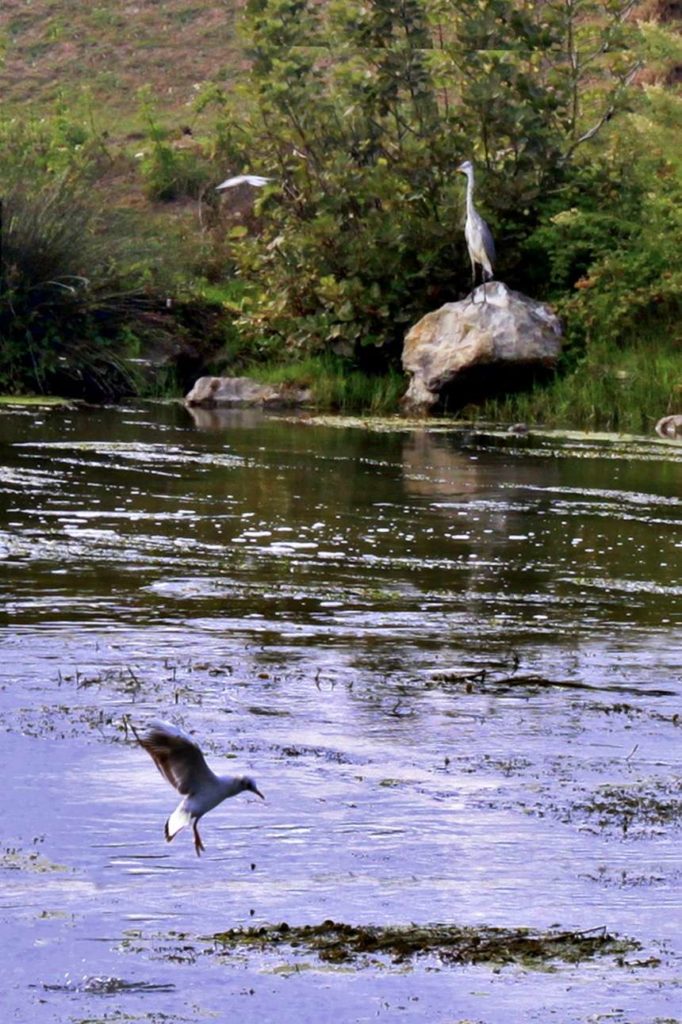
[[470, 192], [230, 785]]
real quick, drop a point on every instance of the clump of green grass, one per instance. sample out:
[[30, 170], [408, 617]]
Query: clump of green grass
[[80, 302], [624, 389], [335, 385], [64, 302]]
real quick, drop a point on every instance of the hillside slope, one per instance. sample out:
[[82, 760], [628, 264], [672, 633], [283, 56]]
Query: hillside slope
[[97, 56]]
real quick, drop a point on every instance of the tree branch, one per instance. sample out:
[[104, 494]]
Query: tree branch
[[607, 115]]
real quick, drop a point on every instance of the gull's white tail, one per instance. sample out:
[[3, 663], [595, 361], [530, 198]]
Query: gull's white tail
[[178, 819]]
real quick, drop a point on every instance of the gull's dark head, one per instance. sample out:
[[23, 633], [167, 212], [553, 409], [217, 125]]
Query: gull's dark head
[[249, 786]]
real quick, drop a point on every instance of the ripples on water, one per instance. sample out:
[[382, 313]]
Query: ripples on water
[[451, 660]]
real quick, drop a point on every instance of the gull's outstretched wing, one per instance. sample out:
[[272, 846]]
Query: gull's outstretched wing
[[176, 755], [256, 180]]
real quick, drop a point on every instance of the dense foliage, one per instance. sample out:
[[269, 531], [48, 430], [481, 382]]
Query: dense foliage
[[361, 112]]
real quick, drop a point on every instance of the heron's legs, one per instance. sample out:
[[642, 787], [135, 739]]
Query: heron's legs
[[473, 280], [198, 845], [486, 275]]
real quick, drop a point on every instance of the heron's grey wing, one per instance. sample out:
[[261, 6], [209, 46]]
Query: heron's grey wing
[[488, 242], [177, 757]]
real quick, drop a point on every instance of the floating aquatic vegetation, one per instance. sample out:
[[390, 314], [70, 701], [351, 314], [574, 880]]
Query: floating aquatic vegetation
[[335, 942], [105, 985], [14, 859], [10, 402], [645, 807], [622, 878], [631, 711]]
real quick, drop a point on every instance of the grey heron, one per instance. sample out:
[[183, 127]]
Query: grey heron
[[477, 233], [182, 763]]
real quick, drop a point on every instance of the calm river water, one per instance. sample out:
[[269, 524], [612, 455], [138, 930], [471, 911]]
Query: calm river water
[[451, 660]]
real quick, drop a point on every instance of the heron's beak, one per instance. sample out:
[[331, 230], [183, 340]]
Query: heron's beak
[[258, 793]]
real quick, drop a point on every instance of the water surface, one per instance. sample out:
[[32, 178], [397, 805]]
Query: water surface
[[452, 661]]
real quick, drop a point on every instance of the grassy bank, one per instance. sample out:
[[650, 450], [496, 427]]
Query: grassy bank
[[621, 389], [611, 389]]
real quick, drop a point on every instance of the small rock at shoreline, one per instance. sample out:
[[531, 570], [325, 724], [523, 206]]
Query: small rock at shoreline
[[210, 392]]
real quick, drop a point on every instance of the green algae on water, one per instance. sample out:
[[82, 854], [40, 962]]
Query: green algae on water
[[38, 401]]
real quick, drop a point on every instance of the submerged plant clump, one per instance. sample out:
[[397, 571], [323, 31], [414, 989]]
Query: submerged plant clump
[[335, 942], [14, 859], [640, 808]]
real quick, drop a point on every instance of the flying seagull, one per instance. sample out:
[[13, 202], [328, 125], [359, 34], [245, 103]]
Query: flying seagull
[[256, 180], [182, 763]]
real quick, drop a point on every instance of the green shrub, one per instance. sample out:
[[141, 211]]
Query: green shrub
[[610, 242], [637, 289], [170, 173]]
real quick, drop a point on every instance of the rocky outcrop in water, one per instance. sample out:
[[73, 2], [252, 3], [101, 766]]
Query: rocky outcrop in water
[[212, 392], [490, 342]]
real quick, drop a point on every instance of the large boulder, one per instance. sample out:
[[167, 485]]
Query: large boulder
[[491, 341], [212, 392]]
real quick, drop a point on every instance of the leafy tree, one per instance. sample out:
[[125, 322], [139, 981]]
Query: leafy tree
[[361, 110], [610, 247]]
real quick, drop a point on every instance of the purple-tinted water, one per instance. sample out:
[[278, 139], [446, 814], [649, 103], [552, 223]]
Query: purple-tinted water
[[452, 661]]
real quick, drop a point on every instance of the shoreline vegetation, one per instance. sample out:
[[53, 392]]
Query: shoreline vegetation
[[123, 272]]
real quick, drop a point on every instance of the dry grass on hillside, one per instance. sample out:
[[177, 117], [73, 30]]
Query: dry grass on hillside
[[57, 49], [52, 50]]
